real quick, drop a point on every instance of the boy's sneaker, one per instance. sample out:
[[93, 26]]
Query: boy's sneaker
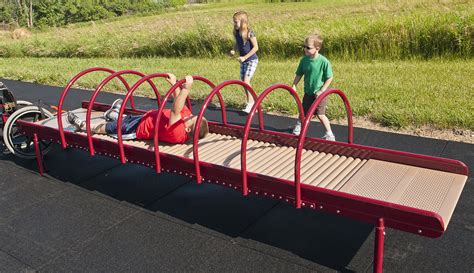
[[74, 120], [297, 129], [330, 137], [247, 108], [113, 112]]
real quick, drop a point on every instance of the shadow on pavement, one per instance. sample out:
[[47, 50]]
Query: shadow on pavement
[[264, 224]]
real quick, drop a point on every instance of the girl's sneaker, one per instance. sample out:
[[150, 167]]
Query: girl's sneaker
[[247, 108], [329, 136], [113, 112]]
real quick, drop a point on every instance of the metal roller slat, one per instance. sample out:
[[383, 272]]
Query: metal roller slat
[[215, 148], [305, 175], [251, 145], [314, 175], [288, 171], [220, 154], [284, 161], [276, 154], [320, 180], [312, 165], [349, 175], [226, 155], [342, 175], [340, 169], [264, 153]]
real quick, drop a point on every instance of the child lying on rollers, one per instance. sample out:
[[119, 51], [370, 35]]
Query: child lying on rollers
[[176, 124]]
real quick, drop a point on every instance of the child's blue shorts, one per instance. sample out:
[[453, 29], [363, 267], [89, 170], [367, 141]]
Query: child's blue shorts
[[129, 125]]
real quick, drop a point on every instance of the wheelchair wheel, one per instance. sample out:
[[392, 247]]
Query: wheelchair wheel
[[19, 144], [23, 103]]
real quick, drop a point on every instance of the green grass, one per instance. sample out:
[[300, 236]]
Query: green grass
[[396, 94], [401, 62], [353, 30]]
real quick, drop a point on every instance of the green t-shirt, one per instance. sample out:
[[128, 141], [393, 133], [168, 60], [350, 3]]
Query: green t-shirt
[[316, 71]]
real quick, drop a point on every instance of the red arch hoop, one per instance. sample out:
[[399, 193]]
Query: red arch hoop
[[304, 129], [66, 90], [96, 93], [122, 109], [243, 151], [160, 113], [215, 91]]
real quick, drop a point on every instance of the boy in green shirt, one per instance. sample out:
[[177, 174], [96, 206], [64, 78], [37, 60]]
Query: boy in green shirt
[[317, 73]]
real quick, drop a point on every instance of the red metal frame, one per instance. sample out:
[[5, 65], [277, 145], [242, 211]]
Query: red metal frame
[[208, 99], [197, 124], [417, 221], [248, 123], [69, 85], [160, 112], [39, 154], [382, 214], [379, 245], [96, 93], [123, 158], [4, 117], [304, 129]]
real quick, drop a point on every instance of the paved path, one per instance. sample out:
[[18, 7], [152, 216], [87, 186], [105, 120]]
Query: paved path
[[92, 214]]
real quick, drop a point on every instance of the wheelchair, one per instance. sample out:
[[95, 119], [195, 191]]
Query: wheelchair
[[11, 110]]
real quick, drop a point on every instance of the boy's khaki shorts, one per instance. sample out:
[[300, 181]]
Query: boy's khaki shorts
[[308, 101]]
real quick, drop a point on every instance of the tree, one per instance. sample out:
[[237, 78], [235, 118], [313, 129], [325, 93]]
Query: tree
[[30, 14], [44, 13], [25, 10]]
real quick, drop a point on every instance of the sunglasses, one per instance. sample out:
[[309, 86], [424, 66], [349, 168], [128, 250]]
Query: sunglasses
[[308, 47]]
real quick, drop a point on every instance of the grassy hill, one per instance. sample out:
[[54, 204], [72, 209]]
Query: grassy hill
[[353, 29], [402, 63]]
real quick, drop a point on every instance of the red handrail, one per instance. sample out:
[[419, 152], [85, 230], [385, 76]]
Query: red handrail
[[122, 108], [66, 90], [243, 151], [160, 112], [201, 114], [304, 129], [96, 93]]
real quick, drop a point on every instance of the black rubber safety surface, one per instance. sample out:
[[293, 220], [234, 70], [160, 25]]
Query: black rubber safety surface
[[92, 214]]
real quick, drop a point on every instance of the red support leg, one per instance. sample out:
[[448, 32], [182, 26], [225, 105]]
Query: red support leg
[[379, 245], [39, 154]]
